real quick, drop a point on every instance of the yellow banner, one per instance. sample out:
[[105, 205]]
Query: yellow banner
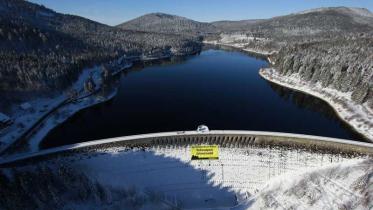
[[200, 152]]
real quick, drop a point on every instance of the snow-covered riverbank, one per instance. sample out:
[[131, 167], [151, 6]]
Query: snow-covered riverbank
[[240, 46], [40, 108], [32, 125], [359, 117]]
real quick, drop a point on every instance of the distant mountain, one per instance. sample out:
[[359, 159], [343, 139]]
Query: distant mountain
[[230, 25], [39, 47], [165, 23], [347, 10], [310, 22], [332, 46]]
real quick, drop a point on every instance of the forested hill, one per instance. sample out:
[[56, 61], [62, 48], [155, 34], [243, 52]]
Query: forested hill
[[309, 22], [165, 23], [40, 48], [331, 46]]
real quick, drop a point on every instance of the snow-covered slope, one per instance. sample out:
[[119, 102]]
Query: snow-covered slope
[[346, 10], [165, 23], [346, 185], [163, 176]]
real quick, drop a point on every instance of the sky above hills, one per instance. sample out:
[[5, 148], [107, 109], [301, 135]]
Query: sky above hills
[[113, 12]]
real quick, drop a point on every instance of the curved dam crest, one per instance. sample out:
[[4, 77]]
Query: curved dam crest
[[156, 170]]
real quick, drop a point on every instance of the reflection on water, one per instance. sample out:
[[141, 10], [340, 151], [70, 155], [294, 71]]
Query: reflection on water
[[219, 88], [305, 101]]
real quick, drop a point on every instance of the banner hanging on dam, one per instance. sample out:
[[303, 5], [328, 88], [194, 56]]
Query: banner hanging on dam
[[205, 152]]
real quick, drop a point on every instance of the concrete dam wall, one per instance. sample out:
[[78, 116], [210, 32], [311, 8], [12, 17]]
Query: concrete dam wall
[[156, 169]]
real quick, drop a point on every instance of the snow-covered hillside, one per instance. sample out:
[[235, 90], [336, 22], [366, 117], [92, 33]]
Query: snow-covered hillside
[[165, 177], [346, 185]]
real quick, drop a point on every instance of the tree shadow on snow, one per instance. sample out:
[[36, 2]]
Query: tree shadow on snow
[[114, 178]]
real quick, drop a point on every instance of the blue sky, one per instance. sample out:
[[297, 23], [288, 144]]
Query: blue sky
[[113, 12]]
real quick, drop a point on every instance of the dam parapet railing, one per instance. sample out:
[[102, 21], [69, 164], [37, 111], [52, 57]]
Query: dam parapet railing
[[223, 138]]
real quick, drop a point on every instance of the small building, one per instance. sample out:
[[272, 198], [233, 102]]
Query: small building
[[5, 120], [25, 106]]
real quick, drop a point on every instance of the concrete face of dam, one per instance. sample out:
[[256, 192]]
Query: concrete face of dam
[[157, 171]]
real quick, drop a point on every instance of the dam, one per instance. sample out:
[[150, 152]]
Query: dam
[[157, 169], [220, 87]]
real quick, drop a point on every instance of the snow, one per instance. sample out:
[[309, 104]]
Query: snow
[[241, 46], [46, 13], [25, 118], [184, 133], [361, 11], [336, 186], [25, 106], [254, 165], [241, 171], [62, 115], [4, 118], [358, 116], [347, 10], [240, 41], [40, 119], [238, 179]]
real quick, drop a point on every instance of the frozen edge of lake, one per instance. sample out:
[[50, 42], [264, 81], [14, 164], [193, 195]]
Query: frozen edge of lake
[[355, 115], [358, 117]]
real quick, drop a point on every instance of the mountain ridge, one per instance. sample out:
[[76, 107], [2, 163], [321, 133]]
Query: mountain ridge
[[356, 10], [31, 37], [167, 23]]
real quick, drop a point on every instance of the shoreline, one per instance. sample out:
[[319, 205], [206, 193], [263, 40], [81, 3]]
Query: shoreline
[[30, 139], [352, 115], [240, 47], [65, 108], [47, 123], [356, 116], [50, 123]]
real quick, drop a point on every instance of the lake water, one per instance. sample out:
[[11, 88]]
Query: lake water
[[219, 88]]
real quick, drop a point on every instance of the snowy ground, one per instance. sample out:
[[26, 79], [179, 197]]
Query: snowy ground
[[25, 120], [359, 117], [62, 115], [243, 171], [243, 178], [241, 46], [346, 185]]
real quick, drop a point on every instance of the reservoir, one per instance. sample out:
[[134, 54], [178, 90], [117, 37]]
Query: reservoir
[[218, 88]]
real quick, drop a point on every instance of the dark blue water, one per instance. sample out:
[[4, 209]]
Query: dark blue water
[[218, 88]]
